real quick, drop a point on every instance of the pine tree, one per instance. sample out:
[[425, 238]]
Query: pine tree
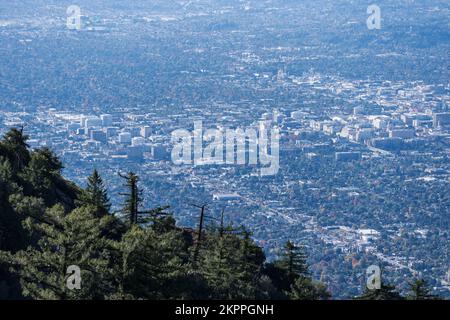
[[14, 146], [65, 240], [12, 235], [217, 264], [290, 275], [42, 174], [419, 291], [6, 180], [152, 265], [308, 289], [95, 195], [253, 257], [133, 198], [11, 232], [386, 292], [231, 265], [133, 201], [294, 261]]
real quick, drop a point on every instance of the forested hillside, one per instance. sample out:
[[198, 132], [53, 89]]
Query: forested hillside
[[48, 224]]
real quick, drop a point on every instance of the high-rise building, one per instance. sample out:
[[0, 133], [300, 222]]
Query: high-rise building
[[83, 121], [146, 131], [125, 138]]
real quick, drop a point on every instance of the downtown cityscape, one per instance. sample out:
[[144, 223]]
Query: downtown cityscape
[[363, 117]]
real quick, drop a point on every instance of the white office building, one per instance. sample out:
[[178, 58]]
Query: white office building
[[146, 131]]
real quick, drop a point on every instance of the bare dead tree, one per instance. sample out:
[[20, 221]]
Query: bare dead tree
[[200, 229]]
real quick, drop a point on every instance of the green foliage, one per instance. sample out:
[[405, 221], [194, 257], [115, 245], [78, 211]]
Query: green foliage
[[10, 224], [308, 289], [14, 146], [293, 260], [231, 265], [7, 185], [133, 198], [65, 240], [291, 277], [151, 264], [95, 195], [41, 173], [419, 290], [386, 292]]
